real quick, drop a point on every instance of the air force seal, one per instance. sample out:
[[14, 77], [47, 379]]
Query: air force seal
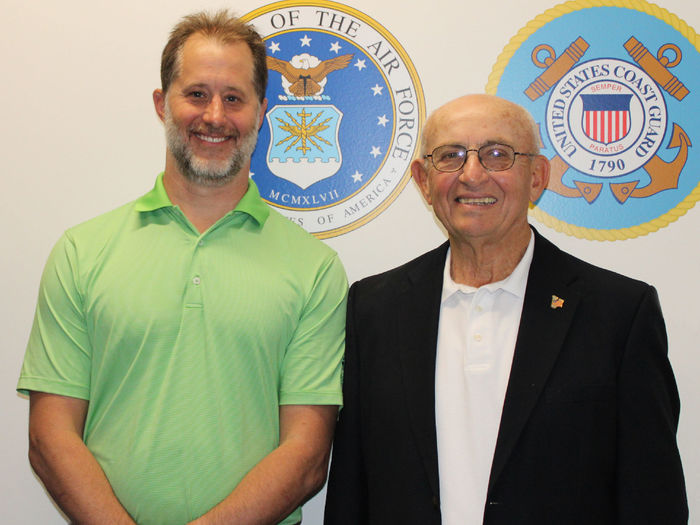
[[345, 108], [616, 91]]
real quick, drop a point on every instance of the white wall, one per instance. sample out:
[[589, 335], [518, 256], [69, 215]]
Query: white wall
[[78, 136]]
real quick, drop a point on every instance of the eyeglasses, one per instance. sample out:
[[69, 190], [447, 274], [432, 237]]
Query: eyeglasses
[[493, 157]]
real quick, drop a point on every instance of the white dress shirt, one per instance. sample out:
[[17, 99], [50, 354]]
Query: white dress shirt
[[476, 339]]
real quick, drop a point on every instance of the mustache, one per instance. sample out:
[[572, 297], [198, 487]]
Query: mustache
[[215, 130]]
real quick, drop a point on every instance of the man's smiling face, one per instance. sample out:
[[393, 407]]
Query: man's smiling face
[[474, 203], [211, 111]]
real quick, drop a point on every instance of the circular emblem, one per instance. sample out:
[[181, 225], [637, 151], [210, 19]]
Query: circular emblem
[[614, 89], [345, 107], [605, 122]]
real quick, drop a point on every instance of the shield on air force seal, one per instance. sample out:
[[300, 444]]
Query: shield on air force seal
[[615, 88], [345, 110], [303, 147]]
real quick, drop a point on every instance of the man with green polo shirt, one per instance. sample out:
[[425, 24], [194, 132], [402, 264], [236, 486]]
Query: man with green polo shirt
[[185, 359]]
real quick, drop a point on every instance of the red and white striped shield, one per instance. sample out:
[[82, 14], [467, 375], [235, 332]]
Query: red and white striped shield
[[606, 118]]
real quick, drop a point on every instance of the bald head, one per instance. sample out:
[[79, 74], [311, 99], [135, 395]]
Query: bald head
[[490, 108]]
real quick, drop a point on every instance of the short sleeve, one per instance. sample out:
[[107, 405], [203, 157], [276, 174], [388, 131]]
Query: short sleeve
[[58, 354], [312, 367]]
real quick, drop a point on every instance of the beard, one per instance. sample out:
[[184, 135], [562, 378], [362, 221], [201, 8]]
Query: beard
[[207, 172]]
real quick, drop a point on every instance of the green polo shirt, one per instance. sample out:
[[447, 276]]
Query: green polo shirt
[[185, 344]]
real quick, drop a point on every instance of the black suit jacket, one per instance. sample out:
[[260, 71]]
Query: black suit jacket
[[588, 429]]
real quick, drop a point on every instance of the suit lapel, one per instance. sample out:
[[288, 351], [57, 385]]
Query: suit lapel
[[418, 314], [543, 327]]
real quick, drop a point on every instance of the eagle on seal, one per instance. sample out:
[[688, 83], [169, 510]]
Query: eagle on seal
[[305, 80]]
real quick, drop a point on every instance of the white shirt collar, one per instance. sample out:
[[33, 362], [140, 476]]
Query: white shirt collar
[[515, 283]]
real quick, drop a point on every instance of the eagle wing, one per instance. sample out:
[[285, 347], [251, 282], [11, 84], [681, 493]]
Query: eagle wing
[[319, 72], [286, 69]]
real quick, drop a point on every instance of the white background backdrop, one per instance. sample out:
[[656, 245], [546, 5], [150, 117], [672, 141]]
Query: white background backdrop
[[78, 136]]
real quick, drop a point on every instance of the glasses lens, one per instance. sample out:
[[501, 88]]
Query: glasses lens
[[496, 157], [449, 158]]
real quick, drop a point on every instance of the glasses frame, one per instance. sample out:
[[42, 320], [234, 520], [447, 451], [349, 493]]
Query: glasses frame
[[478, 155]]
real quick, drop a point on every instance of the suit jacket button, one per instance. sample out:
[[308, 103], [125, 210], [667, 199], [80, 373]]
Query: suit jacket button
[[436, 502]]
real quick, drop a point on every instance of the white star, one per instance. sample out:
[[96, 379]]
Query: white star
[[357, 176], [377, 89], [274, 47], [360, 64], [375, 152], [335, 47], [382, 120], [306, 41]]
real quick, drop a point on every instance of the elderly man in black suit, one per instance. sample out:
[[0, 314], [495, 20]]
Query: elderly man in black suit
[[497, 379]]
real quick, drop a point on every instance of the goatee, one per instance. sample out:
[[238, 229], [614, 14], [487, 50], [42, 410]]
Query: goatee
[[207, 172]]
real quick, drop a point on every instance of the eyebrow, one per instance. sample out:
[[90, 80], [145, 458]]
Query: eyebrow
[[490, 142], [202, 85], [487, 142]]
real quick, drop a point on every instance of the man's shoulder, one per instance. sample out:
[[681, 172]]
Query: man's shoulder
[[98, 226], [88, 242], [552, 259], [288, 235], [427, 265]]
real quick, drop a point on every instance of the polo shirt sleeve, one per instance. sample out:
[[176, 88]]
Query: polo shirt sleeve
[[312, 367], [57, 359]]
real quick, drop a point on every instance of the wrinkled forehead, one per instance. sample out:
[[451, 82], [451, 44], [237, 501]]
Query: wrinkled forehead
[[472, 122]]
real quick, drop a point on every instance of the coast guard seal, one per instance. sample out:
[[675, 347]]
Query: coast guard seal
[[615, 90], [345, 108]]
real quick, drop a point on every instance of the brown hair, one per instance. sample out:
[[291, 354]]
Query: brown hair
[[226, 29]]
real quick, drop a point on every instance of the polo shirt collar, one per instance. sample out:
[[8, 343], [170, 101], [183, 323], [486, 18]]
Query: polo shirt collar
[[251, 203], [515, 283]]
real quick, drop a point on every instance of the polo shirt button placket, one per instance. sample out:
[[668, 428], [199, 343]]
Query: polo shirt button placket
[[195, 296]]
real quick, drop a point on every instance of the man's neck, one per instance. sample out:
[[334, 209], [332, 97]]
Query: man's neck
[[476, 262], [204, 205]]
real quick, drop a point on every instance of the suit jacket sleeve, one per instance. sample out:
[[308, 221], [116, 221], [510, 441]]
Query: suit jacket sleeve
[[650, 482], [347, 491]]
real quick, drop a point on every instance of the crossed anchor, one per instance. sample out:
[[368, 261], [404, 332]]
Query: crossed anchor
[[664, 175]]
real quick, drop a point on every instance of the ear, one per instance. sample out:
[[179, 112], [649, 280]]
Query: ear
[[420, 175], [263, 110], [539, 173], [159, 103]]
